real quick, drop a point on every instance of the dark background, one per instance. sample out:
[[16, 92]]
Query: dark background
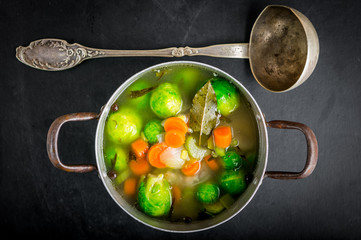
[[39, 200]]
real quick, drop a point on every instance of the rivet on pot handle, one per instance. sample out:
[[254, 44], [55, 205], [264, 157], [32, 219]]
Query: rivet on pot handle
[[52, 141], [312, 151]]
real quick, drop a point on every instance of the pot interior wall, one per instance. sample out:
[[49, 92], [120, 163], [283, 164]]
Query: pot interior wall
[[240, 203]]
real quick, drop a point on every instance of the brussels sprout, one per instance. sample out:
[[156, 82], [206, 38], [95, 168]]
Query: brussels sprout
[[116, 158], [152, 129], [231, 160], [166, 100], [188, 78], [214, 208], [207, 193], [154, 195], [123, 126], [233, 182], [140, 102], [228, 97]]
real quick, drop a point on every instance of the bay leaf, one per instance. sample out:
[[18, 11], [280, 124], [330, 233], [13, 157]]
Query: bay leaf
[[203, 114]]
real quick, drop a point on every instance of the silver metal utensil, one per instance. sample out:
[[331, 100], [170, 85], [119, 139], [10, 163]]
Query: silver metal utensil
[[283, 50]]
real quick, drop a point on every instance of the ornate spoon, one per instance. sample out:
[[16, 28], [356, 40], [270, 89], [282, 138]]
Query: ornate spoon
[[283, 50], [56, 54]]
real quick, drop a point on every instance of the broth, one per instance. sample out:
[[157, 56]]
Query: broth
[[191, 196]]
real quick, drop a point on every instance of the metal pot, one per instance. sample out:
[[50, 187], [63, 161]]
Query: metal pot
[[241, 202]]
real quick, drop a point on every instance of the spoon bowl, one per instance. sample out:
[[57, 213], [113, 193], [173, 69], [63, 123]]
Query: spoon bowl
[[283, 49]]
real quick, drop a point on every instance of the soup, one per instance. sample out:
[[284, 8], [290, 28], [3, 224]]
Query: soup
[[181, 144]]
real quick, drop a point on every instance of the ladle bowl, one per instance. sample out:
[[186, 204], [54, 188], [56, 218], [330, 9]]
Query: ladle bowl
[[283, 50]]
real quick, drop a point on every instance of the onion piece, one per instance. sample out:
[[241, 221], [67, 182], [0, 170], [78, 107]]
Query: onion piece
[[171, 157]]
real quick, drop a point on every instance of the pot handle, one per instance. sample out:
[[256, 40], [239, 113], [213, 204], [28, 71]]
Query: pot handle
[[312, 150], [52, 141]]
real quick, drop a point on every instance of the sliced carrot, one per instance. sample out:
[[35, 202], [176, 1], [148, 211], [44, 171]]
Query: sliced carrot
[[175, 123], [222, 136], [140, 147], [191, 169], [211, 162], [139, 166], [174, 138], [130, 186], [177, 194], [153, 155]]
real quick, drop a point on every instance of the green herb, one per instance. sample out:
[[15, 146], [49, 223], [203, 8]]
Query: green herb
[[203, 114]]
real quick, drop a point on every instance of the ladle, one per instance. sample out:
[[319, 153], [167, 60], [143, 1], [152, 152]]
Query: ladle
[[283, 50]]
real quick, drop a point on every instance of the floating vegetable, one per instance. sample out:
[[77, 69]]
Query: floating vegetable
[[154, 155], [116, 158], [139, 147], [207, 193], [123, 126], [233, 182], [130, 186], [228, 97], [220, 152], [213, 208], [171, 157], [203, 114], [166, 100], [152, 130], [222, 136], [232, 160], [121, 177], [177, 194], [191, 169], [154, 196], [211, 162], [175, 123], [188, 79], [194, 150], [174, 138], [139, 166]]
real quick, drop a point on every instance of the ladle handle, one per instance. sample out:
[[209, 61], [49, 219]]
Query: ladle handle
[[57, 54], [52, 142], [312, 151]]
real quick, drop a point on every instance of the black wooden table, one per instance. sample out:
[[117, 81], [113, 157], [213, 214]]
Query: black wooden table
[[39, 200]]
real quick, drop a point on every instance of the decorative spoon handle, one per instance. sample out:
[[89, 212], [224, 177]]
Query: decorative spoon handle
[[57, 54]]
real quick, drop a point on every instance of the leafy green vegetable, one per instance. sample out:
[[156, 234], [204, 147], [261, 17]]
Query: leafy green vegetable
[[203, 114], [166, 100], [207, 193], [233, 182], [154, 195], [123, 126], [116, 158], [194, 150], [152, 129], [232, 160], [228, 97]]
